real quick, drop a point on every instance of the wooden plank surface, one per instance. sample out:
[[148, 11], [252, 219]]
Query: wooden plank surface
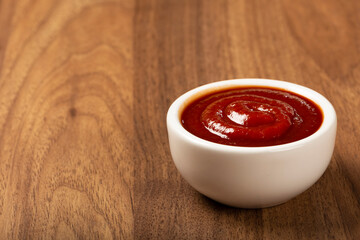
[[84, 90]]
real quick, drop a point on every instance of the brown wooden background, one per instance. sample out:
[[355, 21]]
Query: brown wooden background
[[84, 90]]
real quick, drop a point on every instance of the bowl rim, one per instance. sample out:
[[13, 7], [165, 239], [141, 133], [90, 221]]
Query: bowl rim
[[174, 123]]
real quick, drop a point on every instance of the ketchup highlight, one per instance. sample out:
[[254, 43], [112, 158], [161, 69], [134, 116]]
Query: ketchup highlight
[[252, 117]]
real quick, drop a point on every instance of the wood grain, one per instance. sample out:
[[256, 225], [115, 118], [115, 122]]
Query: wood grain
[[84, 90]]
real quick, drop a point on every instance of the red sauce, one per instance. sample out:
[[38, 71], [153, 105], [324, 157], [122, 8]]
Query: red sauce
[[252, 117]]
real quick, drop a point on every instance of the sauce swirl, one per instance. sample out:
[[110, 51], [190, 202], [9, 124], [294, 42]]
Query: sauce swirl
[[252, 117]]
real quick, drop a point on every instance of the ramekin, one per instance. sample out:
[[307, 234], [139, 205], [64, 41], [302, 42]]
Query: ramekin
[[251, 177]]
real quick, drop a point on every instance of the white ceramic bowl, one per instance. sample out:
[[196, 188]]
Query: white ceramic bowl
[[251, 177]]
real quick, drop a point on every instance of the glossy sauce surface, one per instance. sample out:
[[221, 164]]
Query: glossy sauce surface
[[252, 117]]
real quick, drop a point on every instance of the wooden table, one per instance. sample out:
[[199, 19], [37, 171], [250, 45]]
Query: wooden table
[[84, 90]]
